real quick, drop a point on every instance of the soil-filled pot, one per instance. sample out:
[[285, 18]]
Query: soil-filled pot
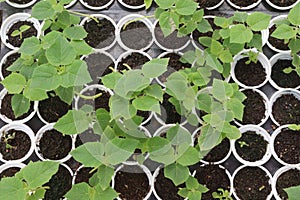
[[133, 59], [7, 60], [52, 108], [6, 110], [210, 4], [252, 75], [252, 183], [285, 146], [285, 107], [275, 44], [100, 63], [15, 22], [279, 79], [132, 4], [282, 4], [95, 4], [53, 145], [17, 143], [20, 3], [100, 33], [252, 148], [256, 110], [213, 177], [132, 182], [170, 43], [243, 5], [10, 169], [83, 174], [59, 184]]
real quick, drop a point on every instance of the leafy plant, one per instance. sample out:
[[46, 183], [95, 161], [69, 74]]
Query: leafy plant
[[20, 31], [193, 190], [252, 57], [222, 194], [295, 67], [6, 137]]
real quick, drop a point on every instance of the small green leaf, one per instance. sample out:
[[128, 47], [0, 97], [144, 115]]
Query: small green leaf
[[155, 67], [75, 32], [14, 83], [104, 174], [148, 3], [294, 15], [222, 22], [185, 7], [20, 104], [155, 91], [284, 31], [30, 46], [165, 4], [258, 21], [177, 173], [218, 90], [213, 62], [81, 47], [236, 107], [288, 70], [146, 103], [240, 34]]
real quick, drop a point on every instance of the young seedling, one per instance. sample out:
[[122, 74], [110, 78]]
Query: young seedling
[[252, 57], [6, 137], [243, 143], [222, 194], [19, 32], [295, 67]]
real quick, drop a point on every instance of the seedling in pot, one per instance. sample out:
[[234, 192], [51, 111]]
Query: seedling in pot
[[222, 194], [295, 67], [19, 32], [252, 57], [193, 189], [243, 143], [6, 137]]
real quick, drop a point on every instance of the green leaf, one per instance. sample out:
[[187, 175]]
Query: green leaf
[[209, 138], [213, 62], [120, 107], [189, 157], [177, 173], [258, 21], [89, 154], [49, 39], [218, 90], [216, 47], [78, 191], [226, 56], [45, 77], [155, 67], [205, 41], [185, 7], [30, 46], [14, 83], [294, 15], [240, 16], [148, 3], [108, 193], [146, 103], [204, 26], [240, 34], [256, 42], [75, 32], [81, 47], [110, 80], [155, 91], [165, 23], [103, 118], [288, 70], [204, 102], [231, 131], [34, 94], [178, 135], [20, 104], [38, 194], [284, 31], [104, 174], [11, 188], [293, 192], [294, 45], [222, 22], [165, 4], [236, 107], [65, 94], [43, 10]]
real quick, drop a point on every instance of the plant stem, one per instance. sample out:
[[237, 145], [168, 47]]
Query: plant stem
[[85, 15], [136, 19], [89, 97]]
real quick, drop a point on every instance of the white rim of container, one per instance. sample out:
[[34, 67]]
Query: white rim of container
[[16, 5], [266, 102], [280, 7], [3, 60], [213, 7], [96, 8], [10, 165], [128, 53], [259, 131], [27, 130], [101, 16], [39, 135], [262, 168], [128, 18], [261, 58], [161, 46], [131, 7], [24, 120], [277, 174], [243, 8], [273, 60], [72, 3], [277, 18], [217, 162], [14, 18], [272, 143], [76, 172], [145, 170], [278, 94]]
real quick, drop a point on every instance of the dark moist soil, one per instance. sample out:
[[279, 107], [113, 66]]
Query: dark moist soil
[[218, 152], [60, 183], [20, 1], [243, 3], [285, 180], [136, 35], [134, 60], [207, 3], [8, 62], [174, 64], [286, 146], [283, 3], [20, 145], [165, 188], [84, 174], [10, 172], [134, 2], [54, 145], [53, 108], [252, 183], [171, 41], [100, 34], [100, 102], [277, 43], [6, 108], [86, 136], [132, 183], [254, 111], [96, 3], [286, 109], [213, 177], [251, 74], [16, 41], [282, 79], [255, 148], [98, 66], [169, 113]]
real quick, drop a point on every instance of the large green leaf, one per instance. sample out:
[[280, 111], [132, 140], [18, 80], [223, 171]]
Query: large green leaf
[[11, 188], [78, 191], [218, 90], [89, 154], [155, 67], [177, 173], [185, 7], [293, 192], [240, 34], [45, 77], [120, 107], [294, 15], [189, 157], [104, 174], [43, 10], [30, 46], [258, 21], [20, 104], [14, 83], [75, 32], [209, 138], [284, 31], [146, 103]]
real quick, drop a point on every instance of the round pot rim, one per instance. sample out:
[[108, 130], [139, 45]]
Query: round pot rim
[[98, 7], [213, 7], [259, 131], [72, 3], [3, 60], [281, 7], [6, 166], [16, 5], [128, 53], [28, 131], [130, 6], [243, 8], [99, 16], [126, 19], [39, 135]]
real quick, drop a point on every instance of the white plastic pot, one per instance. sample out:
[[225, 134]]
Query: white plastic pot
[[72, 3], [101, 16], [215, 6], [14, 18], [3, 60], [281, 7], [11, 165], [24, 120], [127, 19], [19, 127], [261, 58], [259, 131], [128, 53], [38, 137], [278, 94], [130, 6], [145, 170], [96, 8], [243, 8], [17, 5]]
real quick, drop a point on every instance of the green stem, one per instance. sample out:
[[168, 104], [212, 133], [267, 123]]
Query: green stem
[[89, 97], [84, 15], [136, 19]]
